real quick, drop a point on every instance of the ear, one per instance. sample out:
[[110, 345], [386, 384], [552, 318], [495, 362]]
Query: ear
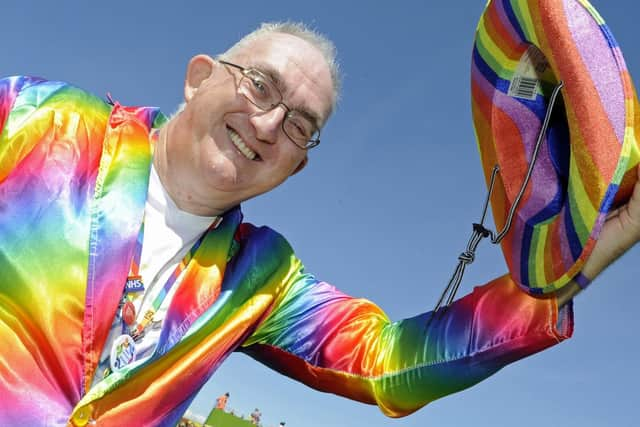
[[300, 166], [199, 69]]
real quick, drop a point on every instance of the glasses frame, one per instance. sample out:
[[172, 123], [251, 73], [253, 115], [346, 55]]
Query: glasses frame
[[289, 111]]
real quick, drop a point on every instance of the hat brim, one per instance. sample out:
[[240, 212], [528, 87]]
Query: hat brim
[[522, 49]]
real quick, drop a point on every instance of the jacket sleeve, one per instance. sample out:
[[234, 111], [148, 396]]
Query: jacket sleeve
[[348, 346], [10, 88], [32, 110]]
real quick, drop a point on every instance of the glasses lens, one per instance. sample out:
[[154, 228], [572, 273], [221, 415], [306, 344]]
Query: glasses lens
[[300, 129], [260, 89], [264, 94]]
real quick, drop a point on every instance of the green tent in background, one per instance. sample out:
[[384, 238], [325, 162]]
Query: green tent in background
[[218, 418]]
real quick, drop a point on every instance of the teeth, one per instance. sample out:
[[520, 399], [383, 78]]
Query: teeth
[[240, 145]]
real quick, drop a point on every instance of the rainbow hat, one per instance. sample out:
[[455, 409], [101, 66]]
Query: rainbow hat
[[586, 164]]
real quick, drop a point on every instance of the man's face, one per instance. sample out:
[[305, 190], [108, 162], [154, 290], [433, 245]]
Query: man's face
[[227, 146]]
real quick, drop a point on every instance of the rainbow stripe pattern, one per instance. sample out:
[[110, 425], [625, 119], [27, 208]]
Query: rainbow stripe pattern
[[522, 49], [73, 178]]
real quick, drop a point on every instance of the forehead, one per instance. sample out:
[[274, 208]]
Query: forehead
[[299, 66]]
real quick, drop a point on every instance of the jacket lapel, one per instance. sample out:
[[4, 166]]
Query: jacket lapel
[[116, 214], [199, 287], [201, 281]]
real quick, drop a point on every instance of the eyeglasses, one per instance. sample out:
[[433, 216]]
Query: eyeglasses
[[262, 92]]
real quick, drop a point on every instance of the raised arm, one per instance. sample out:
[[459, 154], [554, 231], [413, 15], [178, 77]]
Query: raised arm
[[347, 346]]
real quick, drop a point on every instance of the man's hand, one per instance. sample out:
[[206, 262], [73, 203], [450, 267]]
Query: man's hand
[[620, 232]]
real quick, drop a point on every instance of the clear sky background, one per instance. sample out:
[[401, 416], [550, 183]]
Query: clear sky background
[[387, 201]]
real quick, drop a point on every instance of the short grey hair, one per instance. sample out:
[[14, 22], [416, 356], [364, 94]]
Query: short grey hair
[[302, 31]]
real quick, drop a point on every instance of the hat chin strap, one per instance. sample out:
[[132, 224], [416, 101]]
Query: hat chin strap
[[479, 230]]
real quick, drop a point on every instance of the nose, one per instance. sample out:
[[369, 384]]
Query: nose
[[268, 124]]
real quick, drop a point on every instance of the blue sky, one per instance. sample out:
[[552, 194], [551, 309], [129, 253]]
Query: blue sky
[[386, 203]]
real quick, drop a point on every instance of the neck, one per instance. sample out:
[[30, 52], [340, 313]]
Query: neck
[[170, 178]]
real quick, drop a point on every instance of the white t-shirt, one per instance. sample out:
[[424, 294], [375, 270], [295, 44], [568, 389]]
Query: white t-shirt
[[169, 233]]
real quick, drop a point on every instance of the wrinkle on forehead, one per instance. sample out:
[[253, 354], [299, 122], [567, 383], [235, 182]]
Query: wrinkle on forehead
[[287, 57], [286, 92]]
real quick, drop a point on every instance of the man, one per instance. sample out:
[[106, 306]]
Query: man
[[141, 244]]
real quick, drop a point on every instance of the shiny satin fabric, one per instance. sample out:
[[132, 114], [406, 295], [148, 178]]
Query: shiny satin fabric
[[73, 181]]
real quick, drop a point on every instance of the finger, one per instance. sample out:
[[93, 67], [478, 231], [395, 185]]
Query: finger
[[633, 206]]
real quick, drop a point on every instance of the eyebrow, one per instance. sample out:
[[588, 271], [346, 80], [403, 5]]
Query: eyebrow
[[276, 77]]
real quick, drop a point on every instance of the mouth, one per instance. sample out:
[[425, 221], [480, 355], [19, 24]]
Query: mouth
[[236, 139]]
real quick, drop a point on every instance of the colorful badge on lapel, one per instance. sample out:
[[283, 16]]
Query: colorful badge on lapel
[[128, 313], [123, 352], [134, 284], [523, 49]]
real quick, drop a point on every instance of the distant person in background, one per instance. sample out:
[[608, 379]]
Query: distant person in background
[[255, 416], [221, 402]]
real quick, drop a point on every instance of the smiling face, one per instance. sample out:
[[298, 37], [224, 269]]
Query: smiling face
[[222, 149]]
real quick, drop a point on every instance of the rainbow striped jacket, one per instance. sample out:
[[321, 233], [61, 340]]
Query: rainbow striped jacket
[[73, 179]]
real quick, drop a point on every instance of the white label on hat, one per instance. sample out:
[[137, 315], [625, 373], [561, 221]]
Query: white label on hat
[[525, 81]]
